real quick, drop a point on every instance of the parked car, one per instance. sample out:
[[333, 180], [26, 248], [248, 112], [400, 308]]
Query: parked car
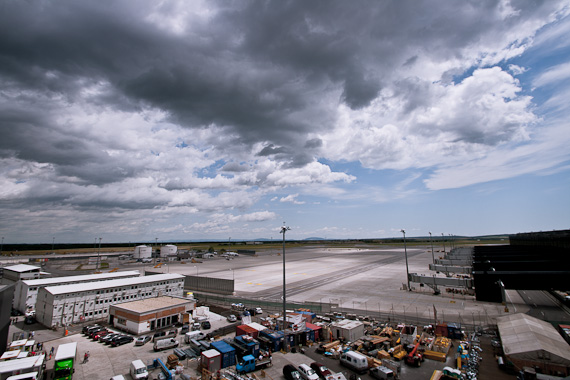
[[164, 334], [100, 334], [206, 325], [96, 331], [320, 369], [142, 340], [291, 373], [107, 338], [30, 320], [382, 373], [87, 329], [165, 344], [196, 326], [258, 310], [184, 329], [231, 318], [122, 340], [307, 372]]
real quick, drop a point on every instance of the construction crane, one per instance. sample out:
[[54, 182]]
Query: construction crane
[[415, 358]]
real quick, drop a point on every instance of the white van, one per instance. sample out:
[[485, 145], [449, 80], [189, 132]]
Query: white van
[[165, 344], [193, 335], [138, 370], [355, 361]]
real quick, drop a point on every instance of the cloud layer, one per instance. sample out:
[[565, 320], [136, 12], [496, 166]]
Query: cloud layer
[[196, 114]]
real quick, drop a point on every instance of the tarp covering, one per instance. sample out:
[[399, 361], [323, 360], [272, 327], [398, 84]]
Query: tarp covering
[[527, 338]]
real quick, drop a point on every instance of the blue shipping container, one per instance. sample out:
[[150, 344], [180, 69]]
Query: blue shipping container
[[275, 337], [227, 351]]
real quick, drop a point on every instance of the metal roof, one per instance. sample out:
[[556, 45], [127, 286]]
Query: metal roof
[[98, 285], [25, 363], [82, 278], [22, 268], [527, 338], [152, 304]]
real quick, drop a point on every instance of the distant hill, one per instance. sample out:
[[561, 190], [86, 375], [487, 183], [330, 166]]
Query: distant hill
[[314, 238]]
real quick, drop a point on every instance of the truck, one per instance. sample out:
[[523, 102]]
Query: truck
[[249, 364], [415, 358], [63, 367]]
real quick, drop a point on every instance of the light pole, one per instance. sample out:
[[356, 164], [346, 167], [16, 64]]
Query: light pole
[[431, 243], [99, 255], [443, 240], [2, 245], [406, 253], [52, 244], [284, 229]]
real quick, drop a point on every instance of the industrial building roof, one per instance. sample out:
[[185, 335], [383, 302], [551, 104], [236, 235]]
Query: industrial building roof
[[527, 338], [151, 304], [82, 287], [347, 324], [22, 268], [82, 278]]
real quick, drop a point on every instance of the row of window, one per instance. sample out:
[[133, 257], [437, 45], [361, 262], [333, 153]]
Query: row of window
[[115, 290]]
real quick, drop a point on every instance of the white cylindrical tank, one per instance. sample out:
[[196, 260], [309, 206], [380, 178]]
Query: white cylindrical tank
[[142, 251], [167, 250]]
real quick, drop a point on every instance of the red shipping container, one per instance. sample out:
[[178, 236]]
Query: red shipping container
[[246, 330], [441, 330], [316, 329]]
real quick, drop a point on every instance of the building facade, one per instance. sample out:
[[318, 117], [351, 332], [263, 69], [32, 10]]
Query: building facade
[[15, 273], [66, 304], [26, 291], [139, 317]]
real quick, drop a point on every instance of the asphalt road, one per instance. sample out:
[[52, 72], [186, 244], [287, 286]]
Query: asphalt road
[[544, 306]]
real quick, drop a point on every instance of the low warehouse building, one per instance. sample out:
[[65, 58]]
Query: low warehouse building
[[139, 317], [15, 273], [66, 304], [26, 291], [348, 329], [530, 342]]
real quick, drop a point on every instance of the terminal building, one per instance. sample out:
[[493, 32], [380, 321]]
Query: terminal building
[[26, 291], [65, 304], [142, 316]]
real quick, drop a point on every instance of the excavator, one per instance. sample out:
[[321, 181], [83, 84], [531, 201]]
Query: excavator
[[414, 358]]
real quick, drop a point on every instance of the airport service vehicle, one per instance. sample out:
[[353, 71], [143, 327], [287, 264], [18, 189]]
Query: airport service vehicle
[[382, 373], [231, 318], [193, 335], [165, 344], [249, 364], [307, 372], [138, 370], [63, 365], [355, 361], [415, 358]]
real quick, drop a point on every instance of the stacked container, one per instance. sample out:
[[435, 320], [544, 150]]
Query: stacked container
[[227, 351]]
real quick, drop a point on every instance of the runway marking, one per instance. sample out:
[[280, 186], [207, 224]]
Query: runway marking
[[259, 284]]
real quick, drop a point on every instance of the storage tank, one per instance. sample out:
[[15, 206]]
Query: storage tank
[[142, 251], [167, 250]]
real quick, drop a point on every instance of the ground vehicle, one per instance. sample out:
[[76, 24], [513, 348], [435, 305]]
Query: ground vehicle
[[381, 373], [24, 376], [146, 260], [193, 335], [65, 361], [30, 319], [100, 334], [138, 370], [95, 331], [107, 338], [165, 344], [355, 361], [258, 310], [184, 329], [86, 329], [249, 364], [291, 373], [307, 372], [121, 340], [196, 326], [231, 318], [414, 357], [164, 334], [141, 340], [206, 325], [320, 369]]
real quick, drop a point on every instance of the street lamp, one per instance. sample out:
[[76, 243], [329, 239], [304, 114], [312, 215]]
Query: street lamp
[[2, 245], [406, 253], [284, 229], [431, 243], [52, 244], [99, 255], [443, 240]]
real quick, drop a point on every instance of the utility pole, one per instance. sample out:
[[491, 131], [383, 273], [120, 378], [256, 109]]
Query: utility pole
[[406, 253], [431, 242], [284, 229]]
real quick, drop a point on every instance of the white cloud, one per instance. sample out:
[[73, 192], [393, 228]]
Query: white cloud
[[292, 198], [554, 75]]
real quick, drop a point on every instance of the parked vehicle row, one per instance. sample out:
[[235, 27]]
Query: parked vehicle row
[[103, 335], [315, 371]]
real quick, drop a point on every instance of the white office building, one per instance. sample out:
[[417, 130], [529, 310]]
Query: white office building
[[168, 250], [66, 304], [15, 273], [26, 291]]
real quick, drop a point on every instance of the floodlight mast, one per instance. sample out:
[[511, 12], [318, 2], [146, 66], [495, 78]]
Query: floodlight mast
[[431, 242], [406, 253], [284, 229]]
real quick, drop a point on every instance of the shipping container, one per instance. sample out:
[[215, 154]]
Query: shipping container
[[246, 330], [316, 330], [227, 351], [247, 345], [273, 339], [211, 360]]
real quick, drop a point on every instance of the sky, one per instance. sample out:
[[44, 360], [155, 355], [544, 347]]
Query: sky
[[192, 120]]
